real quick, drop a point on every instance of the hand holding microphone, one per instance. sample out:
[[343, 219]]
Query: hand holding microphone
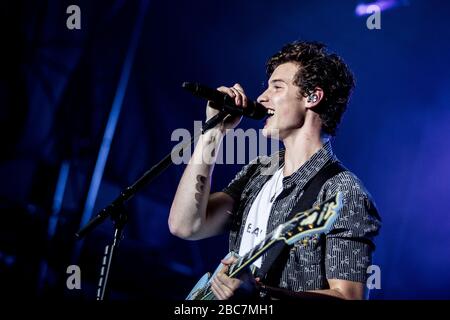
[[236, 98], [229, 99]]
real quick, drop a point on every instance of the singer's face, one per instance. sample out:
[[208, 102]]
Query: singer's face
[[283, 97]]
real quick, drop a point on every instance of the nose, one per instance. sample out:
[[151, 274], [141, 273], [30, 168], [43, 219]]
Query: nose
[[263, 97]]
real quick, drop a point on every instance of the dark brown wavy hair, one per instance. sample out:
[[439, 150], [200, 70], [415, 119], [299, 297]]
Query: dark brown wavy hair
[[319, 68]]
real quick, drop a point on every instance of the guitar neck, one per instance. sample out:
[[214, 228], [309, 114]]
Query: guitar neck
[[251, 256]]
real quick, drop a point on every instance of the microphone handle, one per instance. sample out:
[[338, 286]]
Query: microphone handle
[[224, 102]]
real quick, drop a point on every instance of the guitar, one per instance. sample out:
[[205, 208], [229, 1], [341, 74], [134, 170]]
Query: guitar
[[318, 219]]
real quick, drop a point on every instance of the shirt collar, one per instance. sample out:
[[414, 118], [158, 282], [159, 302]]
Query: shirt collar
[[310, 168]]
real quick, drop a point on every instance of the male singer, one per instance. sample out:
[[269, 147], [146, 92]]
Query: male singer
[[308, 91]]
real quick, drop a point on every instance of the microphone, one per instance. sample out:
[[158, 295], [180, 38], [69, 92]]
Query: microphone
[[223, 102]]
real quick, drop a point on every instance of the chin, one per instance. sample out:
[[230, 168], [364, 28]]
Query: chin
[[271, 133]]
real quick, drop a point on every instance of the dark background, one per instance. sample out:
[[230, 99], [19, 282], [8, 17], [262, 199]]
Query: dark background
[[59, 87]]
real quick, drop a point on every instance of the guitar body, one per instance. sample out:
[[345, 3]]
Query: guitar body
[[201, 289]]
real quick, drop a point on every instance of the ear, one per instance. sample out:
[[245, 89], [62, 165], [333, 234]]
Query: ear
[[314, 98]]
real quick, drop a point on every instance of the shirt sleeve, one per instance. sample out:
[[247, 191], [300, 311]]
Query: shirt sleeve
[[349, 244]]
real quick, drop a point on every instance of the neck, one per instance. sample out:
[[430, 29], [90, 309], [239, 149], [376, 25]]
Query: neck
[[300, 146]]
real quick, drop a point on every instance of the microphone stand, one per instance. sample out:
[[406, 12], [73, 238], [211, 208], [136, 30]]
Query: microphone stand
[[116, 209]]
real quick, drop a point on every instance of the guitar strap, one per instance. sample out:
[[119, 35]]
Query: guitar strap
[[276, 258]]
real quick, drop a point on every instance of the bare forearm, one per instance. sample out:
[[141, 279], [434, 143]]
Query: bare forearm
[[284, 294], [188, 211], [346, 291], [335, 293]]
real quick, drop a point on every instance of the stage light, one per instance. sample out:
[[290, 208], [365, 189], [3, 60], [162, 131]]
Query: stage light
[[364, 8]]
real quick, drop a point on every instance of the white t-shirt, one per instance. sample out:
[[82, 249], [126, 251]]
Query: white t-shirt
[[258, 216]]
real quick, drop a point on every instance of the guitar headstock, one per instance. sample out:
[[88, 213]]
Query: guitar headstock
[[318, 219]]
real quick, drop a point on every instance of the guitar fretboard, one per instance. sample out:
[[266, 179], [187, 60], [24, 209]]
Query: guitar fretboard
[[251, 256]]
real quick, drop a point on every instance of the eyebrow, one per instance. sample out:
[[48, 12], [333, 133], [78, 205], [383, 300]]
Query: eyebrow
[[277, 80]]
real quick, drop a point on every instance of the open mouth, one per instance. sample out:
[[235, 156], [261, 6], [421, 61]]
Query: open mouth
[[270, 112]]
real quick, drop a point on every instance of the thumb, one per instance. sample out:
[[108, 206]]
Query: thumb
[[228, 261]]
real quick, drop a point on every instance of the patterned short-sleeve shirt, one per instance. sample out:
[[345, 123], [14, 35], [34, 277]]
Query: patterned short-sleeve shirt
[[345, 252]]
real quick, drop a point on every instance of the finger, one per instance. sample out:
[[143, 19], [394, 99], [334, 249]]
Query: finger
[[224, 269], [230, 283], [228, 91], [227, 293], [216, 293], [229, 260], [217, 289], [222, 289], [239, 88], [238, 98]]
